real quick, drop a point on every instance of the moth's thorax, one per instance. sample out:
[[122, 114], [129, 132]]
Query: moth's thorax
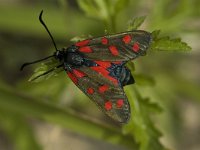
[[70, 56], [73, 58]]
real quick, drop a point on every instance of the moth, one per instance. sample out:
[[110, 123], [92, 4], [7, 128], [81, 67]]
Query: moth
[[97, 67]]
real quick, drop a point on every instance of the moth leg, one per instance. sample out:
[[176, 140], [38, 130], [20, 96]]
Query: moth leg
[[47, 72]]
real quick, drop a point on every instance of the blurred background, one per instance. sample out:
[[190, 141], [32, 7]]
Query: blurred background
[[55, 115]]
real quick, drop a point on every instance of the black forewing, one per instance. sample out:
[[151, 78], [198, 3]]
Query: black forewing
[[112, 101], [127, 46]]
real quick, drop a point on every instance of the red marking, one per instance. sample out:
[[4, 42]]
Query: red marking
[[100, 70], [113, 50], [72, 77], [105, 73], [85, 49], [108, 105], [104, 64], [115, 81], [120, 103], [103, 88], [136, 47], [79, 73], [82, 43], [90, 90], [104, 40], [126, 39], [117, 62]]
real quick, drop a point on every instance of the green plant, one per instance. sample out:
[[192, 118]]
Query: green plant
[[141, 126]]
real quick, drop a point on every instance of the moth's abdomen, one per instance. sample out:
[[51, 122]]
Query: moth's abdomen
[[122, 73]]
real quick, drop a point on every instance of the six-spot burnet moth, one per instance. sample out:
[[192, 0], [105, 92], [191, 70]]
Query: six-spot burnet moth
[[97, 67]]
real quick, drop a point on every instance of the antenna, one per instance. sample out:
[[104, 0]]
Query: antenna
[[29, 63], [42, 22]]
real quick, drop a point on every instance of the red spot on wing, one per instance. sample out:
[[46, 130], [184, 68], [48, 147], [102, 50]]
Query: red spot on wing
[[90, 90], [79, 73], [104, 64], [85, 49], [72, 77], [113, 50], [115, 81], [100, 70], [103, 88], [136, 47], [120, 103], [105, 73], [126, 39], [104, 41], [108, 105], [117, 62], [82, 43]]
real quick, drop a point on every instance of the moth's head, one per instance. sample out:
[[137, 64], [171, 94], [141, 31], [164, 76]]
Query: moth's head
[[59, 54]]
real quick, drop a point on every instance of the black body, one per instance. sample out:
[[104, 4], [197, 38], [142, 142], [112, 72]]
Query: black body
[[72, 59]]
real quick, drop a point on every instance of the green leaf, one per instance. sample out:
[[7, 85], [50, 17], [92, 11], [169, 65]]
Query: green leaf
[[151, 106], [131, 65], [144, 80], [134, 23], [120, 5], [140, 79], [44, 67], [155, 34], [168, 44], [88, 7], [94, 8], [140, 125], [103, 10], [80, 38]]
